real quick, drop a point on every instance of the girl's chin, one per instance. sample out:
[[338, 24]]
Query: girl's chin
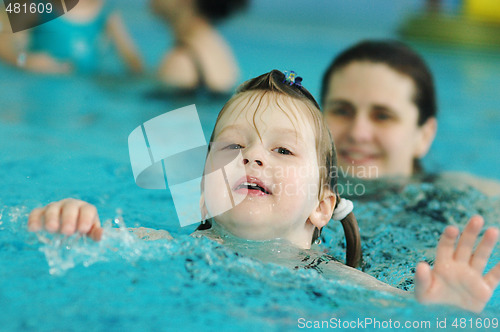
[[246, 224]]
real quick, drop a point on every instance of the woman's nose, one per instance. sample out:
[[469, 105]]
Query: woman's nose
[[361, 129]]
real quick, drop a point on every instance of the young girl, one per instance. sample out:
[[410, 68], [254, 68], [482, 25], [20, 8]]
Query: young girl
[[289, 192]]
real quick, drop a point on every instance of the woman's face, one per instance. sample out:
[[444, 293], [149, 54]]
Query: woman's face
[[370, 111]]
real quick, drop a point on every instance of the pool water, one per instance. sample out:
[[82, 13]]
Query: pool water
[[67, 137]]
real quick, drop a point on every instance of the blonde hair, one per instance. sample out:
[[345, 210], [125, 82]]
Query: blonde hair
[[275, 82]]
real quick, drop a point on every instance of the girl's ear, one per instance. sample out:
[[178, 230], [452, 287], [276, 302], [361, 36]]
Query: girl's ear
[[322, 214], [427, 133]]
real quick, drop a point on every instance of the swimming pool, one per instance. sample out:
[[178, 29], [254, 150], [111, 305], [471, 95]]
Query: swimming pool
[[67, 136]]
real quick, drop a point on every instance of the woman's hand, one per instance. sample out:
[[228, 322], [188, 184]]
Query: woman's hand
[[67, 217], [457, 277]]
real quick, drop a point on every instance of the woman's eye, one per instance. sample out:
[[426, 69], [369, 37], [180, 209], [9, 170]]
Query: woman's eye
[[340, 111], [285, 151], [382, 116]]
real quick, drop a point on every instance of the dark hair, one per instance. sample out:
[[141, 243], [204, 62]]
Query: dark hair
[[399, 57], [219, 9], [275, 81]]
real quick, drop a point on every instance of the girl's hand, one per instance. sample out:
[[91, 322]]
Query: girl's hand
[[67, 217], [457, 277]]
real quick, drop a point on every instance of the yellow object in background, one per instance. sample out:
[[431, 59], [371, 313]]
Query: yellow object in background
[[483, 10]]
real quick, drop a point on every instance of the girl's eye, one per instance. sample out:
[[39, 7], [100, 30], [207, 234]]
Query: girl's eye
[[284, 151], [234, 146]]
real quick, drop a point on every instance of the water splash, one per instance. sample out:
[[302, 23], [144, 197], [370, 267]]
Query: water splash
[[65, 252]]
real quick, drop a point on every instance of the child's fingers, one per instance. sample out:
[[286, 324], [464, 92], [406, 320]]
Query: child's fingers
[[52, 216], [88, 218], [468, 238], [492, 278], [35, 220], [69, 216], [96, 231], [482, 254], [423, 279], [446, 245]]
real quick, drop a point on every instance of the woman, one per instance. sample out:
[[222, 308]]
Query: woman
[[380, 104]]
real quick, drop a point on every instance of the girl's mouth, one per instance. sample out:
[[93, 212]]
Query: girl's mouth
[[252, 186]]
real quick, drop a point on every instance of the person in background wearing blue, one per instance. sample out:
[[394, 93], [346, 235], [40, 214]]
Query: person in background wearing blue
[[72, 42], [200, 56]]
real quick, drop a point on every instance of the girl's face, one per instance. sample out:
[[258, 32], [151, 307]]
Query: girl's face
[[278, 190], [370, 111]]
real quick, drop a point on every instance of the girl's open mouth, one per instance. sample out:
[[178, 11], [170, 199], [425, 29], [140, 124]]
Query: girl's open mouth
[[252, 186]]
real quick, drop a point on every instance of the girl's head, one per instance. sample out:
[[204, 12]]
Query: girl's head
[[287, 154], [380, 105]]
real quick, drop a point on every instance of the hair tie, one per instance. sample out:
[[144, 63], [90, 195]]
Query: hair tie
[[344, 207], [292, 79]]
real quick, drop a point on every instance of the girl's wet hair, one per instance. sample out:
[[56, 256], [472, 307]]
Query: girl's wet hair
[[400, 58], [397, 56], [275, 82]]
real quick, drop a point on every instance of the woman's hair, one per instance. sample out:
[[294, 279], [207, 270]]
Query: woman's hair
[[275, 82], [397, 56], [215, 10]]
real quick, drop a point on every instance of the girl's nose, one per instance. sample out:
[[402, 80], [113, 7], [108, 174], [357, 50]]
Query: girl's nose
[[257, 161], [253, 154]]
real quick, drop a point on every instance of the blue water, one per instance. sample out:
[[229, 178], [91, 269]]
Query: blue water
[[67, 137]]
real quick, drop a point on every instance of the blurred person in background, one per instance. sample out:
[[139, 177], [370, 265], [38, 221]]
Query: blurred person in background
[[200, 56], [71, 42]]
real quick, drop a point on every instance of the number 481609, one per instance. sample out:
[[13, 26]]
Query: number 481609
[[33, 8], [473, 323]]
